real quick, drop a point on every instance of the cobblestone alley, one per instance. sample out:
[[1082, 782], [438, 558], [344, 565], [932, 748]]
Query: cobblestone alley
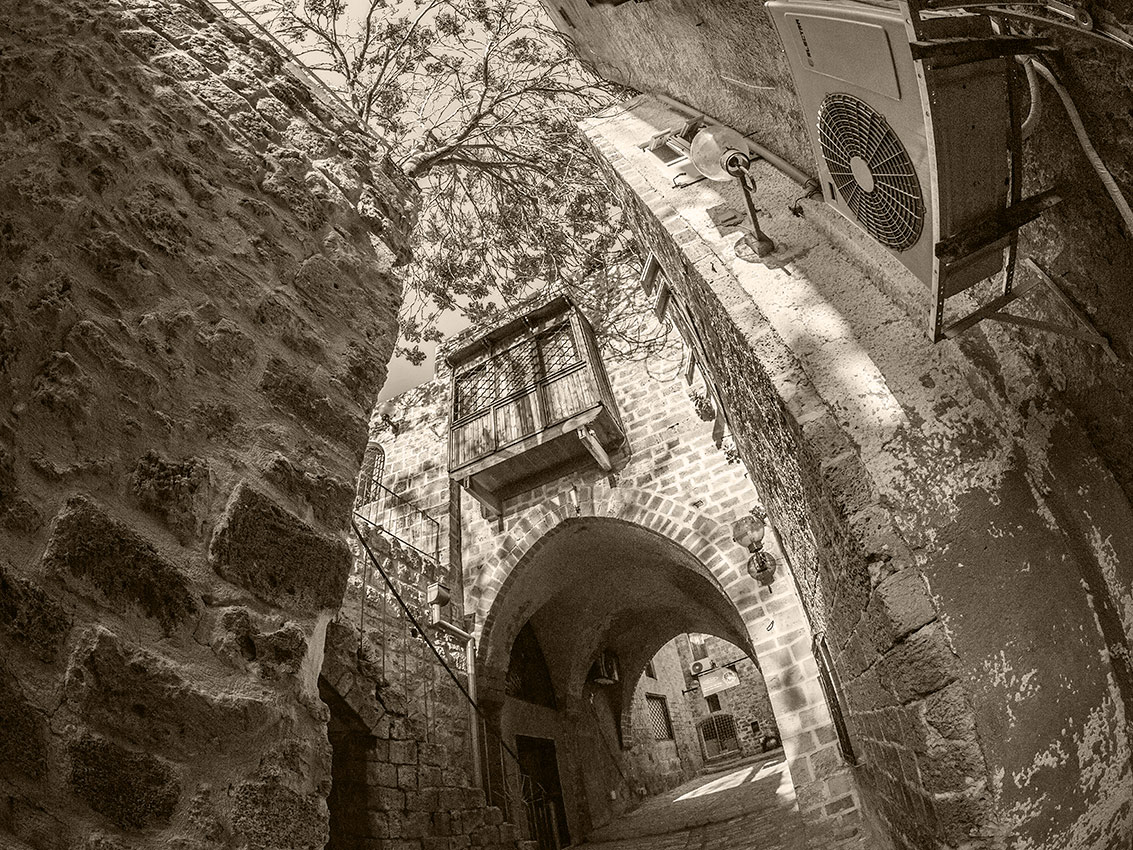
[[751, 807]]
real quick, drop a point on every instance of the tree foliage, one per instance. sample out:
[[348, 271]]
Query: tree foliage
[[479, 100]]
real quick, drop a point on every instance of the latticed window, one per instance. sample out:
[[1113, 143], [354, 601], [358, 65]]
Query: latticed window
[[474, 390], [660, 723], [556, 350], [515, 370]]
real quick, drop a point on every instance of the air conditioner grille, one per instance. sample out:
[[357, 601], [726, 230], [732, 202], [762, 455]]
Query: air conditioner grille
[[871, 170]]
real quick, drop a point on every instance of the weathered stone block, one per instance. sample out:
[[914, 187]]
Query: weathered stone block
[[134, 790], [22, 729], [920, 665], [330, 498], [295, 393], [275, 555], [953, 766], [31, 617], [146, 699], [88, 543], [269, 815]]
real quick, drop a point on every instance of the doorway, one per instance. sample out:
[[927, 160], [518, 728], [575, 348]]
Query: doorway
[[542, 792]]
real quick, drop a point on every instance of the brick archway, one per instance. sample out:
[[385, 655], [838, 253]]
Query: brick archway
[[775, 631]]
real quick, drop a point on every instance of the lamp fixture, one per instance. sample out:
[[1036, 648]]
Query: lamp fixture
[[385, 417], [722, 154], [748, 531]]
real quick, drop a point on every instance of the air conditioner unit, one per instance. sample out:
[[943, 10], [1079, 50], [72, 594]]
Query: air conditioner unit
[[606, 668], [912, 152], [701, 666]]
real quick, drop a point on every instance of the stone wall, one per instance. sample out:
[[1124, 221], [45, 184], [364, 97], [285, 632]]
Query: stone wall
[[400, 723], [655, 766], [400, 752], [197, 307], [944, 539], [748, 702]]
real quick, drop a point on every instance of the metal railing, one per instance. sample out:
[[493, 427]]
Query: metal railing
[[513, 791], [401, 519], [320, 90]]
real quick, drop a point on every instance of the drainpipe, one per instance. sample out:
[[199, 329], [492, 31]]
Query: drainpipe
[[470, 661], [795, 174]]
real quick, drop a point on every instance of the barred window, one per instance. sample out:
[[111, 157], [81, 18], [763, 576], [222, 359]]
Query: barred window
[[556, 348], [474, 390], [516, 369], [659, 721]]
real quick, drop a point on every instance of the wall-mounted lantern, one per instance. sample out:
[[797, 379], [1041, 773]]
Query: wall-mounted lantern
[[748, 531]]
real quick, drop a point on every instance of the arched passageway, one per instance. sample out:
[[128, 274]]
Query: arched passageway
[[565, 645]]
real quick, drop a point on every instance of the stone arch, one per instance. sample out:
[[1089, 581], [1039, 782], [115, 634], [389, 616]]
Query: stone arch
[[772, 628], [706, 539]]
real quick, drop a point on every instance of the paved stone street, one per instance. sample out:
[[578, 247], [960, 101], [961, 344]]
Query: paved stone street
[[751, 807]]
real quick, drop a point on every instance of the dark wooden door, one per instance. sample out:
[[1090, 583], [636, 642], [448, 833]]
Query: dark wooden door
[[540, 766]]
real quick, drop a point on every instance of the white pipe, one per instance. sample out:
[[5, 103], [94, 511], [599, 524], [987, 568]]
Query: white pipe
[[1035, 112], [1091, 154], [795, 174]]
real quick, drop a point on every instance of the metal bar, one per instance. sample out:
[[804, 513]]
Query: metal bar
[[1079, 314], [994, 227], [950, 52], [961, 325]]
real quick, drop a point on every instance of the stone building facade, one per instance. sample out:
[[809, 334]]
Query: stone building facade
[[952, 512], [656, 763], [747, 703], [626, 561]]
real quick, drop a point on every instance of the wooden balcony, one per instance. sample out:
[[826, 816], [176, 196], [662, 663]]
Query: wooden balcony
[[530, 402]]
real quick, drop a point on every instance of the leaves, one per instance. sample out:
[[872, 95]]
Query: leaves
[[479, 100]]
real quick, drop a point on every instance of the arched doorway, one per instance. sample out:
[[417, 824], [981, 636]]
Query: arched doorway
[[599, 597]]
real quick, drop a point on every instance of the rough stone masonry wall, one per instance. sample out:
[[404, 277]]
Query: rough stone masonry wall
[[945, 544], [655, 766], [400, 725], [196, 310]]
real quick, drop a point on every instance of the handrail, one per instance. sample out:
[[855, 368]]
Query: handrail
[[505, 749], [389, 524]]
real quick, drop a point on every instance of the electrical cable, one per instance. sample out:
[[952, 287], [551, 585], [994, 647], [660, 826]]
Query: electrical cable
[[1103, 173], [1036, 107]]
